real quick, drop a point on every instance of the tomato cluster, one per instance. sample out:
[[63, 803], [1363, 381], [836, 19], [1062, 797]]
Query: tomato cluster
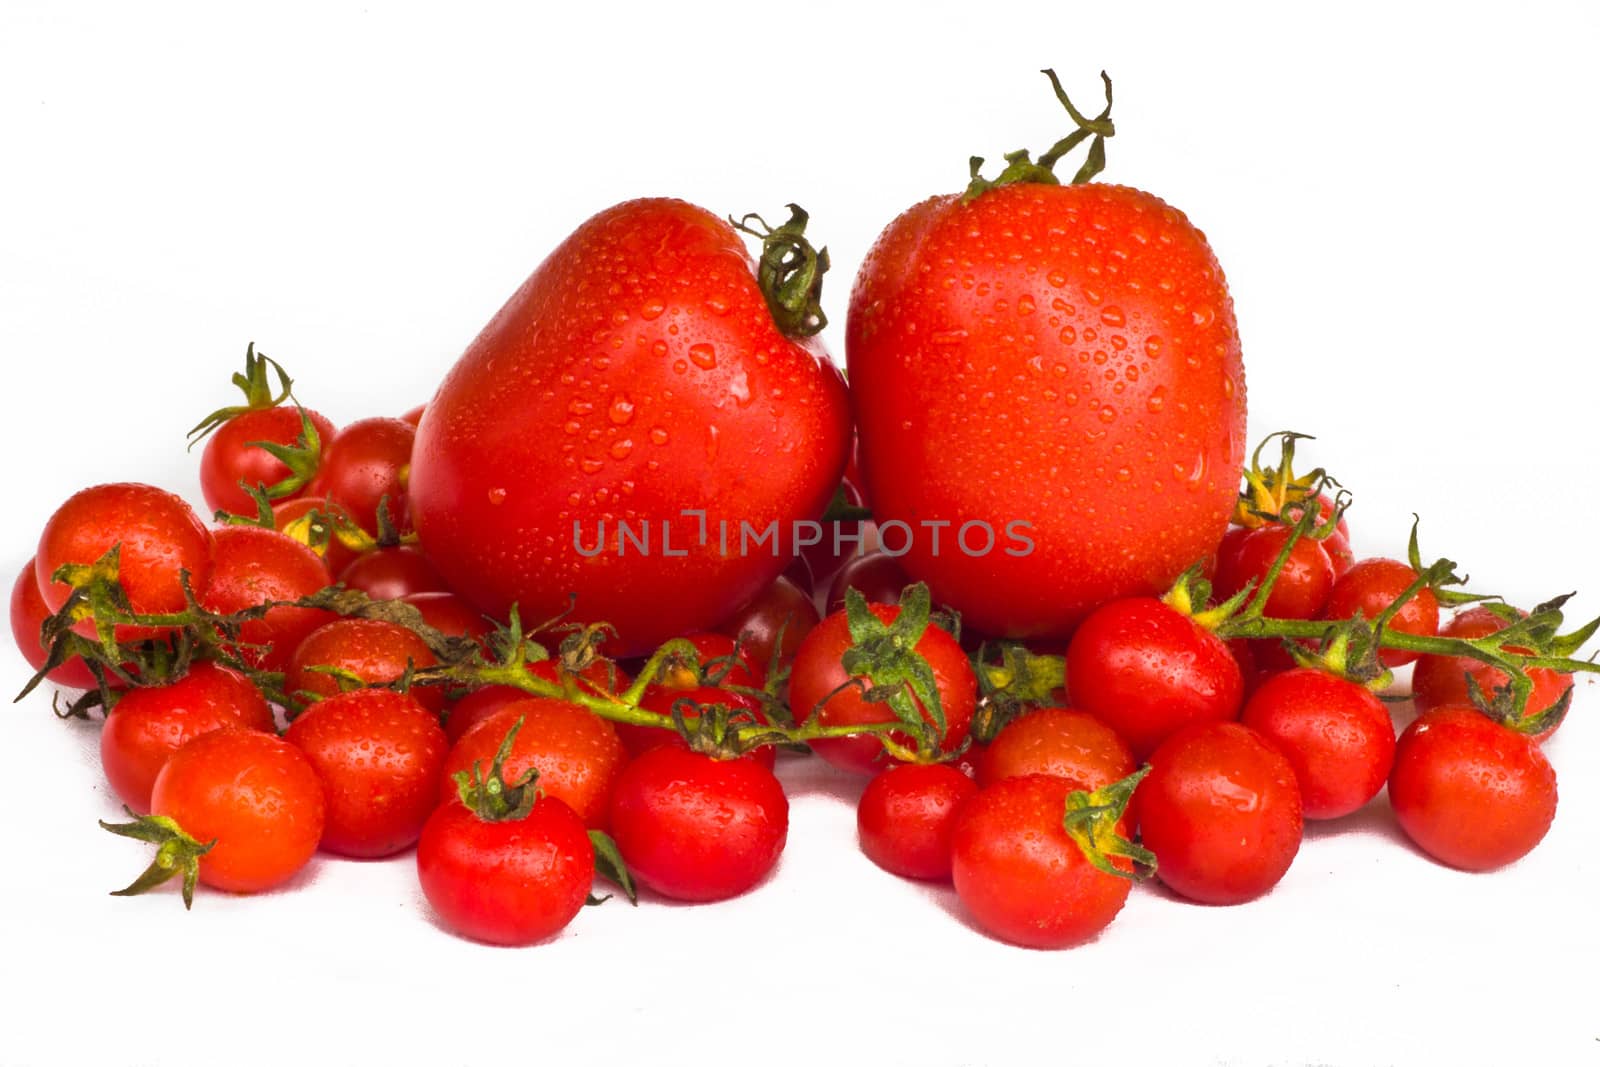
[[522, 630]]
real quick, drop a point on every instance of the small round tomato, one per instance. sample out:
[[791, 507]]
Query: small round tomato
[[414, 416], [696, 828], [293, 518], [392, 574], [1221, 811], [723, 661], [28, 615], [1022, 875], [234, 455], [783, 612], [1369, 587], [576, 753], [253, 793], [1440, 680], [817, 689], [368, 650], [1336, 734], [451, 615], [1059, 741], [149, 723], [369, 460], [600, 678], [1470, 792], [379, 755], [1302, 586], [662, 699], [1147, 671], [877, 576], [254, 565], [906, 815]]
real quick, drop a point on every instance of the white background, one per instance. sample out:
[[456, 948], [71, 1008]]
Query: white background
[[1403, 202]]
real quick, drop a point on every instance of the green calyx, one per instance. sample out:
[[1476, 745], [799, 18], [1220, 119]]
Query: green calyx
[[302, 457], [608, 864], [257, 389], [489, 796], [1091, 821], [789, 272], [1011, 681], [177, 853], [721, 731], [898, 676], [1020, 166]]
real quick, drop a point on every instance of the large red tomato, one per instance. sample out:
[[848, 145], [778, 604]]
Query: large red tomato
[[1061, 356], [638, 373]]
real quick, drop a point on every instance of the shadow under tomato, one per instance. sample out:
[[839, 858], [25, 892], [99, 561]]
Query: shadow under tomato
[[1376, 819]]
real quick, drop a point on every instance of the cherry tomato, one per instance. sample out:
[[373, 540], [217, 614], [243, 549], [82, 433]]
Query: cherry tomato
[[1221, 811], [28, 615], [783, 610], [414, 416], [1440, 680], [1369, 587], [1470, 792], [1303, 585], [232, 455], [600, 678], [1059, 741], [1336, 735], [149, 723], [876, 576], [451, 615], [662, 699], [369, 460], [292, 518], [369, 650], [392, 574], [1147, 671], [906, 815], [696, 828], [253, 566], [720, 663]]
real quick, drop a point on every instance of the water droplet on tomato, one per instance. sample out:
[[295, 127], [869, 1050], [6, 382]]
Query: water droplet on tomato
[[718, 305], [680, 366], [703, 355], [948, 337], [579, 406], [658, 349], [621, 409], [1112, 316], [497, 496], [1152, 347], [620, 449], [1067, 336], [1108, 413], [1227, 386], [1025, 305], [713, 441], [652, 308], [1202, 316], [591, 466], [739, 386], [1158, 399], [1057, 278], [658, 435], [572, 426]]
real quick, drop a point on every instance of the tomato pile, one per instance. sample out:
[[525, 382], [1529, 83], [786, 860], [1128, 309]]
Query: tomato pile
[[568, 620]]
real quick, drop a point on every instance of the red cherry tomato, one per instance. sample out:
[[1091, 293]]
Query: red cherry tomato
[[906, 815], [292, 518], [232, 455], [696, 828], [28, 615], [451, 615], [253, 566], [1369, 587], [600, 678], [1440, 680], [414, 416], [720, 664], [392, 574], [370, 650], [369, 460], [1303, 585], [1059, 741], [1470, 792], [783, 610], [877, 576]]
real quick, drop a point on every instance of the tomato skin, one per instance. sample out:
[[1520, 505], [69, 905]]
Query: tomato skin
[[819, 672], [906, 815], [379, 755], [1021, 876], [1147, 671], [374, 651], [231, 457], [414, 415], [392, 574], [785, 610], [28, 615], [255, 794], [876, 576], [370, 459], [515, 882], [1221, 811], [576, 752], [1369, 587], [1440, 680], [1336, 735], [1060, 355], [150, 723], [698, 829], [160, 536], [334, 555], [451, 615], [1057, 741], [1302, 587], [627, 376], [1469, 792], [253, 565]]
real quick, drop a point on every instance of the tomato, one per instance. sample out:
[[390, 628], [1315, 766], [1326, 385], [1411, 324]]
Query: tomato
[[721, 663], [368, 461], [1369, 587], [253, 793], [576, 753], [1060, 356], [815, 690], [1019, 872], [414, 415], [637, 373], [254, 565], [1440, 680], [1303, 585], [1336, 734], [1468, 791], [1147, 671], [450, 615], [28, 615], [784, 611], [149, 723], [1221, 811], [662, 699], [293, 518], [600, 678], [379, 755], [876, 576], [840, 540], [232, 455], [906, 815], [160, 537], [1059, 741], [368, 650], [696, 828], [392, 574]]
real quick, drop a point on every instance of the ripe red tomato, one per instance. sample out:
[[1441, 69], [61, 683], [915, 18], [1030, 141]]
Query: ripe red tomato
[[661, 700], [1059, 741], [28, 614], [1336, 735], [721, 663], [696, 828], [379, 755], [1303, 585], [253, 793], [293, 518], [599, 678], [160, 537], [1147, 671], [576, 753], [369, 460], [1440, 680], [814, 690], [906, 815], [1221, 811], [150, 723], [451, 615], [1058, 355], [783, 610], [254, 565], [637, 373], [370, 650], [1021, 875], [877, 576], [1369, 587], [392, 574], [1470, 792], [232, 456], [414, 416]]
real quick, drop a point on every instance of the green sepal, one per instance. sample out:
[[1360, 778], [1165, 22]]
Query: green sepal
[[886, 655], [1091, 821], [1021, 168], [609, 864], [177, 853], [302, 457], [489, 796], [257, 389]]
